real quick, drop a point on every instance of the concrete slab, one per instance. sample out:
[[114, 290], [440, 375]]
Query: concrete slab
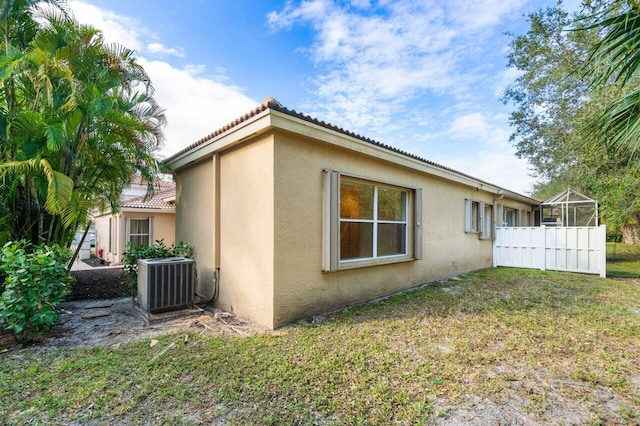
[[104, 304], [96, 314], [155, 318]]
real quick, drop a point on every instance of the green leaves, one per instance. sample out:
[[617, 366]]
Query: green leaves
[[616, 59], [59, 186], [36, 280], [77, 120], [58, 191], [618, 52], [573, 131]]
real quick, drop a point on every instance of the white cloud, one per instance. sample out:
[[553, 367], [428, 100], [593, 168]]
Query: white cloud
[[115, 28], [414, 74], [163, 50], [470, 125], [498, 167], [504, 80], [362, 4], [196, 103], [493, 158], [410, 48]]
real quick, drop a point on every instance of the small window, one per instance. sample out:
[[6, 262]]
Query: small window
[[510, 217], [139, 232], [487, 227], [478, 218]]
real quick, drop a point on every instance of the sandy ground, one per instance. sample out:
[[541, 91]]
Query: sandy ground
[[79, 328]]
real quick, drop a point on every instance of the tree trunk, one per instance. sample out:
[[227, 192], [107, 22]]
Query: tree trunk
[[631, 235], [77, 251]]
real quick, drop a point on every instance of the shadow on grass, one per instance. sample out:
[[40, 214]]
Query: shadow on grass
[[623, 260]]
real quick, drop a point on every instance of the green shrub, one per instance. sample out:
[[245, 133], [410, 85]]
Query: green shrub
[[35, 281], [158, 250]]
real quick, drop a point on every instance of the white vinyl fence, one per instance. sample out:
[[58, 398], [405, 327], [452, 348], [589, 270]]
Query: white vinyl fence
[[562, 248]]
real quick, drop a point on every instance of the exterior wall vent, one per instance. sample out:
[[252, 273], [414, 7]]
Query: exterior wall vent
[[165, 284]]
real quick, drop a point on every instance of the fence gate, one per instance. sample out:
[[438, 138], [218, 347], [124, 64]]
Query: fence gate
[[558, 248]]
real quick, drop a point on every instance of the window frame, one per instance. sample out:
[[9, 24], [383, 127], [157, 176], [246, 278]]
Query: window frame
[[515, 213], [480, 223], [375, 221], [488, 225], [149, 234], [332, 221], [473, 216]]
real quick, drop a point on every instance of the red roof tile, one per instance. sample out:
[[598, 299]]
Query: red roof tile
[[157, 201], [160, 183]]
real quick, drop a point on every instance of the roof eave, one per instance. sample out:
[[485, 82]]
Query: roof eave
[[138, 210], [274, 119], [297, 125]]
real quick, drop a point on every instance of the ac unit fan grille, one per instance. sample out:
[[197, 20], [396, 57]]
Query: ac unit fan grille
[[166, 284]]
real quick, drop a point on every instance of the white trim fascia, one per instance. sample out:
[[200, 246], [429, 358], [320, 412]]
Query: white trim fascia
[[134, 210], [302, 127], [273, 119]]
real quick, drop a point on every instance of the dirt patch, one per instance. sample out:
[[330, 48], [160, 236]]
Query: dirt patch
[[93, 284], [79, 325], [78, 328]]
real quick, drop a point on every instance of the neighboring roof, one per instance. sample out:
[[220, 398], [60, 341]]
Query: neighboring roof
[[161, 200], [137, 179], [271, 104]]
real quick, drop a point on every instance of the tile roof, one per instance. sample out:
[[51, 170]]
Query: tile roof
[[273, 104], [137, 179], [157, 201]]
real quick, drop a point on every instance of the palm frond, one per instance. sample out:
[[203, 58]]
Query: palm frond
[[59, 190], [617, 55], [59, 186], [619, 125]]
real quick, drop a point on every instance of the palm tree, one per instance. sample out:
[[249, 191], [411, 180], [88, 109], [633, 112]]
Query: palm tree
[[79, 119], [616, 59]]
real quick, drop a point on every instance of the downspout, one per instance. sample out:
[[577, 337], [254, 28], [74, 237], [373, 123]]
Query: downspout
[[215, 290], [216, 227], [495, 208]]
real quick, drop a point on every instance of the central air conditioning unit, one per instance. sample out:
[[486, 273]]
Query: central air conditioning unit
[[165, 284]]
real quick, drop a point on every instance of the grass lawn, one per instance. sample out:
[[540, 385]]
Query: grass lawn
[[527, 345], [623, 260]]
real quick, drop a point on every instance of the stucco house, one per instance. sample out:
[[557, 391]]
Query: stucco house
[[138, 221], [289, 216]]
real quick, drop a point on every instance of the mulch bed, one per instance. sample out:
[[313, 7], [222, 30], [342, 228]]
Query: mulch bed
[[96, 284]]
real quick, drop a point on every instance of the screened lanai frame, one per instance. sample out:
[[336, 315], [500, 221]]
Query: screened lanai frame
[[569, 208]]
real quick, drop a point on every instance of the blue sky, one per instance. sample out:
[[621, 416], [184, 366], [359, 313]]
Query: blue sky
[[423, 76]]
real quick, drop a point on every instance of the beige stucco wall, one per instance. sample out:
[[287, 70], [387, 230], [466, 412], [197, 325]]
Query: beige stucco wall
[[246, 231], [302, 289], [264, 229], [195, 220], [101, 224]]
